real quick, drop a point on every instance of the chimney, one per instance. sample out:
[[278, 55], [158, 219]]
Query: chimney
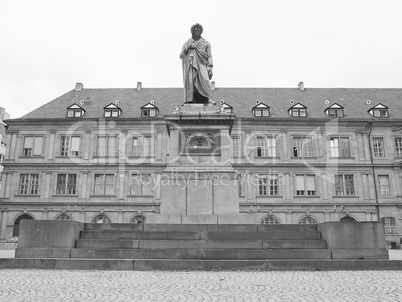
[[301, 86], [78, 87], [213, 85], [139, 86]]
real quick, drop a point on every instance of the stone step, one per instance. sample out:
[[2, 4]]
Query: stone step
[[200, 244], [200, 227], [278, 235], [200, 254], [199, 265]]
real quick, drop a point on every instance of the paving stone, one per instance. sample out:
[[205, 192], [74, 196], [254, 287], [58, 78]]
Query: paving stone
[[64, 285]]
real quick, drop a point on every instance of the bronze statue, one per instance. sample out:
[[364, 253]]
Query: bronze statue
[[197, 67]]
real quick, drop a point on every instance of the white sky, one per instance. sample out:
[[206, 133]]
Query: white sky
[[47, 46]]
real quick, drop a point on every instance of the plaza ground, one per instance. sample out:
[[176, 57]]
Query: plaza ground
[[63, 285]]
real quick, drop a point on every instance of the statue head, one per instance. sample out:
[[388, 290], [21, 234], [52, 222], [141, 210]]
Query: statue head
[[196, 31]]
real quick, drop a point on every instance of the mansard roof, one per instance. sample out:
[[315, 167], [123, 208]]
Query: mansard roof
[[131, 100]]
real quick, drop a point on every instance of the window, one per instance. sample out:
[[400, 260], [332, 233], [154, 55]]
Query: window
[[236, 151], [107, 146], [149, 112], [138, 219], [308, 220], [344, 185], [339, 147], [104, 184], [70, 145], [141, 146], [18, 221], [63, 216], [389, 225], [398, 146], [379, 111], [260, 110], [270, 220], [33, 146], [383, 181], [305, 185], [348, 218], [141, 184], [335, 112], [299, 112], [378, 147], [101, 218], [75, 111], [29, 184], [302, 147], [66, 184], [268, 185], [266, 147]]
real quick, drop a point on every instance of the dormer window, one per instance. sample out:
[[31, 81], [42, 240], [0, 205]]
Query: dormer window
[[298, 110], [379, 111], [149, 110], [334, 111], [75, 111], [226, 108], [112, 110], [261, 110]]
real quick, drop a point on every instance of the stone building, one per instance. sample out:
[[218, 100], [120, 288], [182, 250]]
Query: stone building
[[261, 155], [3, 137]]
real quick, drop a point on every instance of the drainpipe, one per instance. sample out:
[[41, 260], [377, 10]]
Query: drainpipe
[[377, 205]]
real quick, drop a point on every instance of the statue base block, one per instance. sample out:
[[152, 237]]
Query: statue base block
[[199, 108]]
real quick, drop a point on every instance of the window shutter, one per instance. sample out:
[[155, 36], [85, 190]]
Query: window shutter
[[75, 143], [300, 183], [37, 150], [28, 143], [310, 183], [344, 147]]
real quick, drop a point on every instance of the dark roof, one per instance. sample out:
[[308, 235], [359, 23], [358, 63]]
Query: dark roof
[[354, 101]]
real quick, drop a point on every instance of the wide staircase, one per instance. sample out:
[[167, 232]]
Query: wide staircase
[[170, 246]]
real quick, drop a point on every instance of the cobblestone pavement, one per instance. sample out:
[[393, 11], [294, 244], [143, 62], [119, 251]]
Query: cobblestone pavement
[[58, 285]]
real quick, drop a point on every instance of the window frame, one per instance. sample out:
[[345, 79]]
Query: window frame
[[398, 146], [378, 151], [31, 184], [306, 184], [337, 150], [107, 146], [300, 149], [140, 188], [384, 187], [30, 152], [66, 149], [103, 187], [70, 179], [268, 148], [145, 146], [268, 185], [343, 187]]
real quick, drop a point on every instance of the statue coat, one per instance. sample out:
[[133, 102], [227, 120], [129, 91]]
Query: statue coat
[[195, 62]]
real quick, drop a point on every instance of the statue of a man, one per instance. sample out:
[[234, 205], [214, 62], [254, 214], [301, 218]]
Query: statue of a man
[[197, 67]]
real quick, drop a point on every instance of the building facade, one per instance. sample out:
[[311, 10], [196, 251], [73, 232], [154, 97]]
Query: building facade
[[261, 155], [3, 137]]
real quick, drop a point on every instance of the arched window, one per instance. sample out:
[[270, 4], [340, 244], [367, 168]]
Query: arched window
[[63, 216], [308, 220], [18, 221], [270, 220], [138, 219], [348, 218], [101, 218], [389, 225]]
